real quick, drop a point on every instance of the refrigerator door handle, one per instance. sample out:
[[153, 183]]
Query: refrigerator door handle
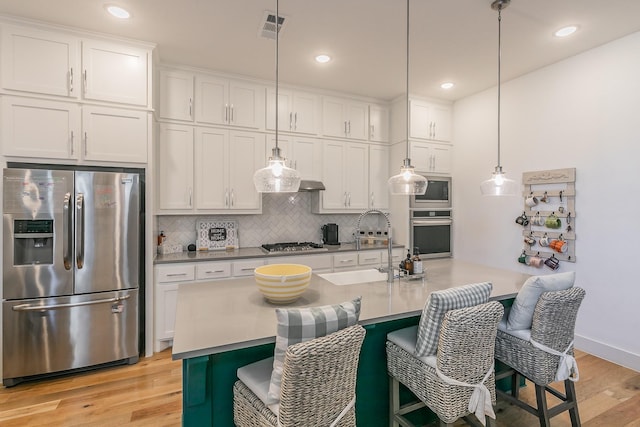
[[80, 230], [66, 232], [29, 307]]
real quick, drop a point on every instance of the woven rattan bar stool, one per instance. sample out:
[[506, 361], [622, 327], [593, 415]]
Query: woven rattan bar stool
[[544, 355], [460, 373], [318, 385]]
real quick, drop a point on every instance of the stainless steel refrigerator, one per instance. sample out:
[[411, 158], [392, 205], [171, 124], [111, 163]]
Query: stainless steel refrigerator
[[71, 270]]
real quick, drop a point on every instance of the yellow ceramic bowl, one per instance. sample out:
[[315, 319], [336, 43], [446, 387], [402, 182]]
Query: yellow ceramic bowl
[[282, 283]]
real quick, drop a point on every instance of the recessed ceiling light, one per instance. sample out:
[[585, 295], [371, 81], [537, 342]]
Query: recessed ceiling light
[[323, 59], [447, 85], [566, 31], [118, 12]]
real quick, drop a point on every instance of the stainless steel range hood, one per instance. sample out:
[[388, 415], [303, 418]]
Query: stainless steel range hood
[[309, 185]]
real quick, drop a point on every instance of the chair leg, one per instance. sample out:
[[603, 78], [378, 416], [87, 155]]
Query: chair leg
[[443, 424], [394, 401], [515, 384], [570, 391], [543, 410]]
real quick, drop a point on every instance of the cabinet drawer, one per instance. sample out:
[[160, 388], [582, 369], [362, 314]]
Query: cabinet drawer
[[245, 268], [345, 260], [175, 273], [369, 257], [213, 270], [316, 262]]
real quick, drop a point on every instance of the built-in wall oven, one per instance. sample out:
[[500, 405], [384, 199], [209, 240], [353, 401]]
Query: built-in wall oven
[[437, 196], [431, 232]]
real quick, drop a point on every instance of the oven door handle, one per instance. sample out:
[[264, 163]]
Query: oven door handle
[[431, 222]]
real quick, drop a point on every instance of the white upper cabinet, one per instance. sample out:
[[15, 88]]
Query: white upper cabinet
[[115, 73], [67, 131], [429, 121], [431, 158], [302, 154], [58, 64], [345, 118], [56, 135], [40, 61], [222, 101], [378, 123], [378, 177], [175, 167], [298, 111], [176, 95]]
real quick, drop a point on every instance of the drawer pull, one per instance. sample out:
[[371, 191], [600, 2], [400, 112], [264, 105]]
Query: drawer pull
[[176, 274], [347, 260], [248, 269], [370, 259], [215, 271]]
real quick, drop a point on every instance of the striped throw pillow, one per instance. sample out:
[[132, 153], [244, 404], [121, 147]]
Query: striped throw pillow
[[297, 325], [438, 304]]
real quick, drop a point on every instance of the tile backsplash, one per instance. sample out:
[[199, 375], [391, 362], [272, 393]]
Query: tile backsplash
[[285, 217]]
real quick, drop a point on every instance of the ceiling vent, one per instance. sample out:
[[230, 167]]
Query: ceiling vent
[[267, 27]]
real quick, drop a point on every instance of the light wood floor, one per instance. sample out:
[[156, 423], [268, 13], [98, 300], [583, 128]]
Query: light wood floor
[[150, 394]]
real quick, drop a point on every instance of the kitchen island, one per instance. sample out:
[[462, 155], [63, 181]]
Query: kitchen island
[[223, 325]]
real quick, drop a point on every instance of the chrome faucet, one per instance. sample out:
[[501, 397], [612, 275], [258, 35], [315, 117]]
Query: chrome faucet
[[389, 244]]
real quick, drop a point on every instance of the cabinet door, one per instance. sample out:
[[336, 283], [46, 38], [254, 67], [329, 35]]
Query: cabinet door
[[285, 145], [285, 115], [114, 135], [333, 165], [307, 158], [304, 115], [40, 61], [176, 95], [40, 129], [441, 162], [333, 117], [175, 167], [245, 268], [115, 73], [212, 104], [378, 177], [419, 120], [212, 169], [357, 175], [166, 302], [246, 155], [441, 123], [244, 99], [378, 123], [357, 120], [421, 156]]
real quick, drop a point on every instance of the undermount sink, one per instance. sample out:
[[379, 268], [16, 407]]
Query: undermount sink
[[354, 277]]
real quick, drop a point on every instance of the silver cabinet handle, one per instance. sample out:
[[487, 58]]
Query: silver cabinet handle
[[226, 197], [28, 307], [434, 130], [347, 260], [295, 121], [84, 80], [226, 113], [71, 80], [71, 143], [349, 127], [349, 198], [176, 274], [247, 269], [290, 121], [214, 271], [370, 259], [232, 110], [190, 196], [67, 238], [372, 200], [80, 230], [345, 127], [191, 107], [345, 199], [86, 150], [371, 131], [233, 198]]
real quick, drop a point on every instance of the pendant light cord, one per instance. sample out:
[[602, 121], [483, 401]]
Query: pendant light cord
[[407, 82], [499, 76], [277, 150]]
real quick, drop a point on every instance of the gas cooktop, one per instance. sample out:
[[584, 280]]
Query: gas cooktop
[[275, 248]]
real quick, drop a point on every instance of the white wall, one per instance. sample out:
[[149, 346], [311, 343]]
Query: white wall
[[583, 112]]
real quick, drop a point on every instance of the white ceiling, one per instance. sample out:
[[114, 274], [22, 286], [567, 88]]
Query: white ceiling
[[452, 40]]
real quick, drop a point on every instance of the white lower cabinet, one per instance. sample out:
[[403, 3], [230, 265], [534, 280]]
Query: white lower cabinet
[[318, 263], [246, 267]]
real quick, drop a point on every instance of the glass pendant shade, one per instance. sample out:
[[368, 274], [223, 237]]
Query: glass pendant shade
[[499, 185], [407, 182], [276, 177]]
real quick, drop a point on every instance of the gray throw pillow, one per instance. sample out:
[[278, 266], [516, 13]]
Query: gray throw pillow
[[521, 314]]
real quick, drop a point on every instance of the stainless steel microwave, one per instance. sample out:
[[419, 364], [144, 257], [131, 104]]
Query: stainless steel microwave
[[437, 196]]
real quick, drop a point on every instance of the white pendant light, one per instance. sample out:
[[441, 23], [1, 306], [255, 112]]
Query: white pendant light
[[407, 182], [499, 184], [276, 177]]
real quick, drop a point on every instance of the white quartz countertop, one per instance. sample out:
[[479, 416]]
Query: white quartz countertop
[[218, 316]]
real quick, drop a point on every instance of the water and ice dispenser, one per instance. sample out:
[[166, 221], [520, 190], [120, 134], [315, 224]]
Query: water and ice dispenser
[[32, 241]]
